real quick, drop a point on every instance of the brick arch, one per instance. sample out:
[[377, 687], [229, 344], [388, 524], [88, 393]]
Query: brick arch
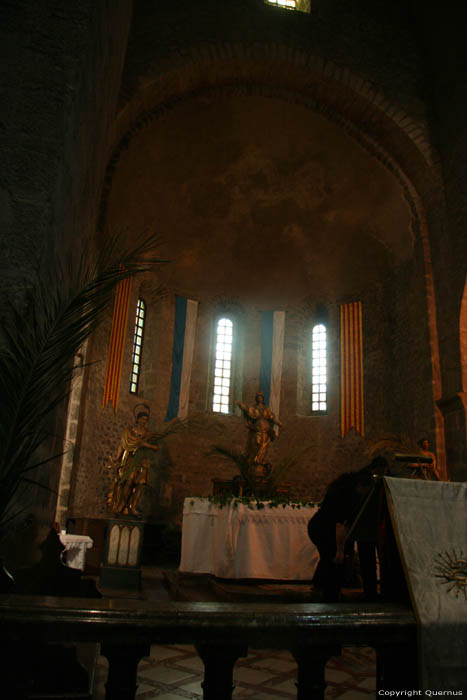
[[382, 129], [295, 74]]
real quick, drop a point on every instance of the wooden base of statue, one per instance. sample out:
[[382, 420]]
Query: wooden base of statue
[[122, 558]]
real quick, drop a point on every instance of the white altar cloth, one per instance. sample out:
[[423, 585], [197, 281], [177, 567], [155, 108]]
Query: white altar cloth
[[75, 549], [242, 542]]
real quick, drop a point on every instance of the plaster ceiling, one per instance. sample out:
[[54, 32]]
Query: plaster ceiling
[[261, 199]]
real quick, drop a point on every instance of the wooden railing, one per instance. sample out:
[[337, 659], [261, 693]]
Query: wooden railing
[[221, 633]]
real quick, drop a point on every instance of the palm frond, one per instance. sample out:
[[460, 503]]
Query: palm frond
[[392, 443], [174, 427], [240, 460], [286, 464], [266, 486], [38, 347]]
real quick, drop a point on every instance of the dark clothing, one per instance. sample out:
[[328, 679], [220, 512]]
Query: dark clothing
[[345, 495], [342, 503]]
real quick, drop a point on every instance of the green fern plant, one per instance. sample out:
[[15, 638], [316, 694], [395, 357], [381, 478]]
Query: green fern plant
[[38, 346]]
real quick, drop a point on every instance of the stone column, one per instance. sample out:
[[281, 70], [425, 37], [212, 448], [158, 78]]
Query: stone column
[[219, 660], [311, 662], [123, 665]]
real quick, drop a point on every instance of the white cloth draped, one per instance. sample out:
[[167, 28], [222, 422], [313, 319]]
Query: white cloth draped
[[429, 519], [238, 542]]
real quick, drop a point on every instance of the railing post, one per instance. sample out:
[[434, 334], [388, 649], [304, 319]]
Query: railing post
[[123, 665], [219, 660], [311, 663]]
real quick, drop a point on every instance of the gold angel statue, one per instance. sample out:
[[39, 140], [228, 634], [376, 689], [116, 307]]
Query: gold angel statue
[[130, 468], [260, 422]]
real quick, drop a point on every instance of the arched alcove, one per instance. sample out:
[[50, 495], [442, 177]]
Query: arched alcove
[[264, 200]]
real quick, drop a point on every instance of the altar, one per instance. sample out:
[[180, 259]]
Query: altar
[[239, 541]]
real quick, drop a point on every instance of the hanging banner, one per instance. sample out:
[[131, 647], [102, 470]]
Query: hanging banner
[[352, 415], [272, 351], [186, 314], [117, 344]]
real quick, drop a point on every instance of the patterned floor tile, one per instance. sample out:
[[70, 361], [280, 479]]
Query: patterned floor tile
[[354, 695], [165, 674], [193, 687], [192, 663], [287, 686], [161, 653], [143, 688], [336, 676], [251, 675], [276, 665], [367, 684]]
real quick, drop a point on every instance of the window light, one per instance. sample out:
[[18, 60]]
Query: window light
[[319, 368], [223, 366], [288, 4], [137, 346]]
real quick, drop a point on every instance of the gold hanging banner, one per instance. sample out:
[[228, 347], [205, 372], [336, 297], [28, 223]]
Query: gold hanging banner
[[117, 344], [352, 415]]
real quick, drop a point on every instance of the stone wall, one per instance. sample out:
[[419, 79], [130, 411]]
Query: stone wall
[[59, 84], [78, 103], [257, 222]]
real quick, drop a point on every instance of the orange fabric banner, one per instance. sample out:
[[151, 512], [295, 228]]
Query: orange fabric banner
[[117, 344], [351, 368]]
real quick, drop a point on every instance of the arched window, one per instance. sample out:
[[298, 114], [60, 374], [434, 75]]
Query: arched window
[[137, 346], [319, 378], [300, 5], [221, 396], [289, 4]]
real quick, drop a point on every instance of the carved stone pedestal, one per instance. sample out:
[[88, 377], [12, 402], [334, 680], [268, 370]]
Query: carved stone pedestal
[[122, 558]]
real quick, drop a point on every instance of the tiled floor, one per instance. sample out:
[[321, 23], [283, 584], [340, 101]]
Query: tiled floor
[[174, 672]]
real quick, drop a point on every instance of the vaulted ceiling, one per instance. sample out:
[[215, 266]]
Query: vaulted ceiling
[[259, 198]]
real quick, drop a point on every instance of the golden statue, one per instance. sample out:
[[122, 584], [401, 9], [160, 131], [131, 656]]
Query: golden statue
[[131, 465], [260, 422]]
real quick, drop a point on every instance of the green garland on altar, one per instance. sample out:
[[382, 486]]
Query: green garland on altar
[[252, 502]]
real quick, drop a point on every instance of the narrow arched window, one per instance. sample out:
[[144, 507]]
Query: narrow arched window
[[221, 396], [137, 346], [319, 378], [288, 4]]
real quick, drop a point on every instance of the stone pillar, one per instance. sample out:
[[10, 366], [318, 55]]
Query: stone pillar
[[219, 660], [311, 662], [454, 414], [123, 665]]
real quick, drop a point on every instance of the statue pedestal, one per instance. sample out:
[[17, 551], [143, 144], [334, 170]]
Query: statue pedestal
[[122, 557]]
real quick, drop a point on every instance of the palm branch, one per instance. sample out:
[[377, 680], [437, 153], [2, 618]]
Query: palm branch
[[174, 427], [269, 485], [391, 444], [285, 466], [38, 346], [240, 460]]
